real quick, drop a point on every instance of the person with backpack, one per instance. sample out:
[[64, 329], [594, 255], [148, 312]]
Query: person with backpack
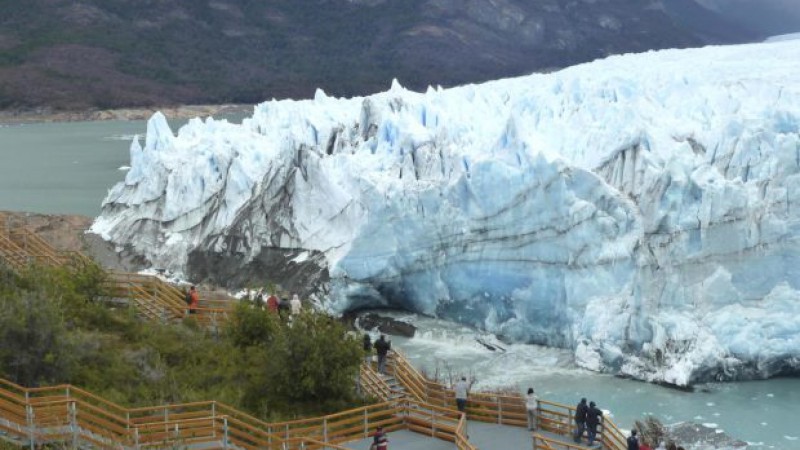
[[633, 441], [580, 420], [382, 347], [593, 418], [194, 300]]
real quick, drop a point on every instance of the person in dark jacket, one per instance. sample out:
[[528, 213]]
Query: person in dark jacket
[[580, 420], [633, 441], [593, 418], [367, 349], [382, 347]]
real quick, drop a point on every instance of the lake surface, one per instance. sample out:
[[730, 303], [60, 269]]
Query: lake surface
[[68, 168]]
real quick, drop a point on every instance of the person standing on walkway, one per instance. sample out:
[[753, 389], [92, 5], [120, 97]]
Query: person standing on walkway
[[382, 347], [461, 389], [532, 406], [195, 300], [580, 420], [593, 418], [367, 349], [379, 440], [295, 305], [633, 441]]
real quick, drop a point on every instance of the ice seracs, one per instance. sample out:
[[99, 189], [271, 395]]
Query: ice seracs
[[641, 210]]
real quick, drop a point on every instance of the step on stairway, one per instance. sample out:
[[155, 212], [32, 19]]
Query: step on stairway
[[397, 389]]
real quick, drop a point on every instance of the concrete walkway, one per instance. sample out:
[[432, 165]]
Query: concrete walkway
[[487, 436], [407, 440]]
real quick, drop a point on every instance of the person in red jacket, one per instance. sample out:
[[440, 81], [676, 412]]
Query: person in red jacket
[[195, 300], [272, 303]]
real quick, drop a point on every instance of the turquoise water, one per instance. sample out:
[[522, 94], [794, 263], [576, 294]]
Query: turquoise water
[[759, 412]]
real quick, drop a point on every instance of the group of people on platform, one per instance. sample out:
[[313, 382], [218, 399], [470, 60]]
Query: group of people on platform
[[263, 299]]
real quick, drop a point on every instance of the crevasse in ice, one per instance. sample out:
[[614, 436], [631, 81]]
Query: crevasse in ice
[[639, 209]]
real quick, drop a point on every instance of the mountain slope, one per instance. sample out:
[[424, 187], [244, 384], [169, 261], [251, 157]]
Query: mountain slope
[[112, 53]]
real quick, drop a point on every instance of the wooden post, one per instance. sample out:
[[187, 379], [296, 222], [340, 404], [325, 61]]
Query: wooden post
[[73, 423], [325, 430], [136, 438], [225, 431], [29, 418], [500, 410], [433, 423], [213, 419]]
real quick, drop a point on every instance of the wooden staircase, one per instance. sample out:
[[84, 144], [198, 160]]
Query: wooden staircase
[[153, 298]]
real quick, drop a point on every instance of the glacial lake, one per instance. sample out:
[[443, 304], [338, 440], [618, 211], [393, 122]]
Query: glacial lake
[[68, 168]]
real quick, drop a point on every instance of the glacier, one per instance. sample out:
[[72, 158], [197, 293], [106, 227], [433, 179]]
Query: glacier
[[639, 210]]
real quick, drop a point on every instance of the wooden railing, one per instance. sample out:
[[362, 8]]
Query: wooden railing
[[67, 414], [502, 408], [154, 298], [32, 244]]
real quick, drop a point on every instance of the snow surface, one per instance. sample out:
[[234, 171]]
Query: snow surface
[[784, 37], [638, 209]]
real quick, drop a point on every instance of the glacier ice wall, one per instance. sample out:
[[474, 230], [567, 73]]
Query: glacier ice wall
[[640, 209]]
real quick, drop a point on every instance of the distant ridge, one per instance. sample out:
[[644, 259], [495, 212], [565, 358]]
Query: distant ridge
[[100, 54]]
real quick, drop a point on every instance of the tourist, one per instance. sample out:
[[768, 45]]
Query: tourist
[[258, 300], [580, 420], [382, 347], [295, 305], [272, 303], [593, 418], [379, 440], [283, 307], [367, 349], [531, 405], [195, 300], [461, 389], [633, 441]]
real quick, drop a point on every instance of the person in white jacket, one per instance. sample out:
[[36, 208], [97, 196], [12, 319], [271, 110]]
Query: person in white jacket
[[295, 304], [532, 406]]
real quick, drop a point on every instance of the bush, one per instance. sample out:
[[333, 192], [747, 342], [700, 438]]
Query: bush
[[53, 330]]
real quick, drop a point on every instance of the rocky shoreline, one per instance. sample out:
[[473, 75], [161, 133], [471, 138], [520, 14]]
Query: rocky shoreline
[[45, 115]]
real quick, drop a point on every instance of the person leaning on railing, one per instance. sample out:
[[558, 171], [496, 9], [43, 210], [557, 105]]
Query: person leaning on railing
[[580, 420], [593, 419], [531, 406]]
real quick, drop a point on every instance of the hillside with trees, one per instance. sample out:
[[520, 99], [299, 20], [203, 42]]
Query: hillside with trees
[[88, 54], [54, 329]]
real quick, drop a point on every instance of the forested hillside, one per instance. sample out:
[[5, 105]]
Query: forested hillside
[[78, 54]]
